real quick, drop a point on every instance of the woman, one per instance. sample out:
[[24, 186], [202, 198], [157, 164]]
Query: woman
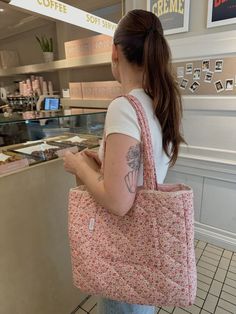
[[141, 63]]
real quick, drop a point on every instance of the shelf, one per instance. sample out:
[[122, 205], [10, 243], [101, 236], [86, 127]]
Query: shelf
[[87, 61], [77, 103]]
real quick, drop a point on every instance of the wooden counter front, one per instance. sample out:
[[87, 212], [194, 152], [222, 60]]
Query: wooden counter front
[[35, 272]]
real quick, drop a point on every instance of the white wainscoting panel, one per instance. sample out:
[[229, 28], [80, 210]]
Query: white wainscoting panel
[[219, 204], [214, 187]]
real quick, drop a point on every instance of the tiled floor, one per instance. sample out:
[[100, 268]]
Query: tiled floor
[[216, 292]]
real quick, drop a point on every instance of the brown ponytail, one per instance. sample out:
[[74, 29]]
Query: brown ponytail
[[141, 38]]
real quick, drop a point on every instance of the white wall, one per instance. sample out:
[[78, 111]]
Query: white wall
[[29, 50], [26, 45], [67, 32], [208, 163]]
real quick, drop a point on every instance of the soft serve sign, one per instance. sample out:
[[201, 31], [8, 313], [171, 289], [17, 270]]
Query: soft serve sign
[[67, 13]]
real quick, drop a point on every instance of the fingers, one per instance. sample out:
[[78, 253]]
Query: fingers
[[90, 153], [93, 155], [67, 154]]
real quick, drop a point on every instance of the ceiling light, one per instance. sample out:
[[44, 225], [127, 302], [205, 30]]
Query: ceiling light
[[1, 10]]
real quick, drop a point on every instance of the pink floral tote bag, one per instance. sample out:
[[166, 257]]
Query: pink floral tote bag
[[145, 257]]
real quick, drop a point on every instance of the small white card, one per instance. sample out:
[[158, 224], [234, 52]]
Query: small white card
[[74, 139], [91, 224]]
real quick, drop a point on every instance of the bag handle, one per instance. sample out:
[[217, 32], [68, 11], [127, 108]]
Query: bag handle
[[149, 171]]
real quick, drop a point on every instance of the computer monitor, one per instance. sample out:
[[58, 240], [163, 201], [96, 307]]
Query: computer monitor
[[51, 103]]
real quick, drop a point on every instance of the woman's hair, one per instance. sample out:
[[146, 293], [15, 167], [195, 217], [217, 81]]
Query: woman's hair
[[140, 36]]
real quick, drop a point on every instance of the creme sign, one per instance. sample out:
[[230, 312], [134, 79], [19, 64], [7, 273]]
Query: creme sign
[[173, 14]]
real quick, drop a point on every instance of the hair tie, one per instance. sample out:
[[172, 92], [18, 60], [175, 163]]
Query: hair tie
[[151, 29]]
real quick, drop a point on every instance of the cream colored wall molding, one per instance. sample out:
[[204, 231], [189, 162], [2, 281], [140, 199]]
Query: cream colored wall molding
[[208, 45], [216, 236], [210, 103], [209, 154], [205, 167]]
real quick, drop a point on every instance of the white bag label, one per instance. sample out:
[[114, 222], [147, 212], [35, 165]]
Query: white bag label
[[91, 224]]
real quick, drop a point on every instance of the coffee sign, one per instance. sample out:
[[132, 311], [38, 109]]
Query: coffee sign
[[67, 13], [173, 14], [54, 5]]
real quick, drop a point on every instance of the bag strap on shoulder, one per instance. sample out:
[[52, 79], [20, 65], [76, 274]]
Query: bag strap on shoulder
[[149, 171]]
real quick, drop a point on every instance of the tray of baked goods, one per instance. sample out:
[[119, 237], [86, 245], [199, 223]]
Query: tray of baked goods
[[81, 141], [52, 148], [10, 162], [42, 151]]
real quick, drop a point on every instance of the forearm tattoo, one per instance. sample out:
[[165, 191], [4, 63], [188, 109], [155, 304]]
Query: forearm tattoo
[[100, 178], [133, 160]]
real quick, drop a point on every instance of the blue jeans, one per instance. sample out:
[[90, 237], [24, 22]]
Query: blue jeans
[[106, 306]]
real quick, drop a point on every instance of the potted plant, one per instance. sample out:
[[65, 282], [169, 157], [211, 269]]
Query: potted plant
[[47, 48]]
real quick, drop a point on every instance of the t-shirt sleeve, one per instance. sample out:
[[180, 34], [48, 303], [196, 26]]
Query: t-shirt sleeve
[[121, 118]]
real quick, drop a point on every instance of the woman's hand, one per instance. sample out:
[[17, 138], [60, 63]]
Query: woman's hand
[[94, 155], [77, 163]]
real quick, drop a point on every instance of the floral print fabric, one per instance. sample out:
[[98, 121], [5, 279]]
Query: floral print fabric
[[147, 256]]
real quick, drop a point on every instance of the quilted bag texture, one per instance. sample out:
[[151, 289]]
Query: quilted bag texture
[[144, 257]]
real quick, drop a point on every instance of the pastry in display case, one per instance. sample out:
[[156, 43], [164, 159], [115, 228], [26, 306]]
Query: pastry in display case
[[10, 162], [42, 151], [57, 135], [81, 141]]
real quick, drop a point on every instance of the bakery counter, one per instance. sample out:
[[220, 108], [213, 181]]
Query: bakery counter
[[35, 272], [18, 156], [35, 259]]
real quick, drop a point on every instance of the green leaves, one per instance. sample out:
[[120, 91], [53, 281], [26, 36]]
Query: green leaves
[[45, 43], [51, 44]]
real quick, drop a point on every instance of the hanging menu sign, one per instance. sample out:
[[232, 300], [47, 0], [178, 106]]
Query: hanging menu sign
[[67, 13], [173, 14]]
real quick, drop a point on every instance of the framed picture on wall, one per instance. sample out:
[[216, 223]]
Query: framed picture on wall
[[221, 12], [174, 15]]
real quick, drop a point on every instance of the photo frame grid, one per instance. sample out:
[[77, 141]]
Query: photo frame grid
[[207, 75]]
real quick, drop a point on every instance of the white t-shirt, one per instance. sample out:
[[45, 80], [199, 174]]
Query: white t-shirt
[[121, 118]]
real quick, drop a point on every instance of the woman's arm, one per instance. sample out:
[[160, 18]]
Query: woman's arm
[[94, 155], [116, 188]]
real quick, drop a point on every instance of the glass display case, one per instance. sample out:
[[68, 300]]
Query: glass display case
[[15, 129], [25, 142]]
